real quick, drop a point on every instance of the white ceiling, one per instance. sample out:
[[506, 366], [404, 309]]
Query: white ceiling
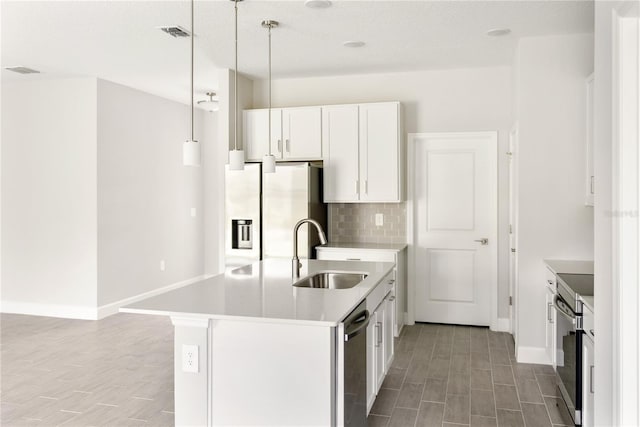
[[118, 40]]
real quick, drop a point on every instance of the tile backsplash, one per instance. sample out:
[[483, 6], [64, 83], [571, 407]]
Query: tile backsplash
[[356, 223]]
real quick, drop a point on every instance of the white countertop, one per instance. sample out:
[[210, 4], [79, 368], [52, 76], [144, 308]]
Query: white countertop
[[558, 266], [263, 291], [396, 247]]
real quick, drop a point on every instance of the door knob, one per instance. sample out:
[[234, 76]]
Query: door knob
[[483, 241]]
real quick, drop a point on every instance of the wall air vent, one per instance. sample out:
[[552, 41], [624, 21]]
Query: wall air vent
[[175, 31], [22, 70]]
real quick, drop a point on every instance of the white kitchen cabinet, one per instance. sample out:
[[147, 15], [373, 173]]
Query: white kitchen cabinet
[[372, 377], [296, 133], [340, 147], [379, 347], [363, 153], [380, 315], [590, 176], [550, 328], [398, 257], [388, 328], [380, 177], [588, 373]]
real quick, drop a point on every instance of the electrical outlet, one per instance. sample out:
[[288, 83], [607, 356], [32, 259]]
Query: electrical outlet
[[162, 265], [190, 358], [379, 219], [193, 212]]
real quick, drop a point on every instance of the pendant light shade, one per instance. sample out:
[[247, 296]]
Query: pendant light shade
[[236, 157], [191, 147], [269, 160], [269, 163]]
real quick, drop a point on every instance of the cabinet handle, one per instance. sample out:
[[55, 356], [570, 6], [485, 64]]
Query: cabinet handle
[[591, 185], [354, 259], [357, 186], [280, 146], [377, 327], [591, 379], [549, 318], [366, 186], [379, 324], [288, 145]]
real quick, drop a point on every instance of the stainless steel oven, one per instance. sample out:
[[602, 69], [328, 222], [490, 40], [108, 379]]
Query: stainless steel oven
[[569, 335], [569, 357]]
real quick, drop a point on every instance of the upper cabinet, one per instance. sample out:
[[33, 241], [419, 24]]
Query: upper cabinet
[[362, 153], [295, 133], [590, 176]]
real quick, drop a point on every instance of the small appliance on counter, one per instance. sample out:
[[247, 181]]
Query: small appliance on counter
[[261, 210]]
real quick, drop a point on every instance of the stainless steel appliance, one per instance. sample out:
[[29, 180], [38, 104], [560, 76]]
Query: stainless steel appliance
[[569, 333], [261, 210], [355, 367]]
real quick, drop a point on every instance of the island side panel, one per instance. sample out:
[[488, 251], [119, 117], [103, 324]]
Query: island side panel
[[191, 389], [272, 374]]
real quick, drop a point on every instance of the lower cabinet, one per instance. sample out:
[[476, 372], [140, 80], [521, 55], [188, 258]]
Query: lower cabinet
[[588, 370], [379, 347], [550, 326]]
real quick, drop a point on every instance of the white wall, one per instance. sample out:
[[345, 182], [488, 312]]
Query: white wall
[[49, 238], [434, 101], [145, 193], [553, 221]]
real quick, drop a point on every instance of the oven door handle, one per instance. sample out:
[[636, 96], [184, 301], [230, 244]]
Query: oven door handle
[[565, 311]]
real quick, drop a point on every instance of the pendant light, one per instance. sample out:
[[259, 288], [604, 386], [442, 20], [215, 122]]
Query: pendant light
[[269, 160], [236, 157], [191, 147]]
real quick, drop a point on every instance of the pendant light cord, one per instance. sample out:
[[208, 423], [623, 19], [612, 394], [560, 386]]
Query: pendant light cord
[[192, 36], [235, 84], [269, 139]]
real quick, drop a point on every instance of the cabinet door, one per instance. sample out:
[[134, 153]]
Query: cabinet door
[[372, 378], [255, 127], [340, 149], [379, 152], [587, 381], [302, 133], [388, 327], [380, 344], [277, 146], [550, 322]]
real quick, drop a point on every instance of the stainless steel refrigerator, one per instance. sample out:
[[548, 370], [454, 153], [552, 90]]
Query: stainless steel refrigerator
[[262, 209]]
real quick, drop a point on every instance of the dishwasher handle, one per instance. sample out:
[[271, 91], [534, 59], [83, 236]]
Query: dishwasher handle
[[356, 327], [562, 308]]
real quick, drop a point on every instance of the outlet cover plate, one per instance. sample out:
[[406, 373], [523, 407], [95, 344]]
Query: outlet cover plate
[[379, 219], [190, 358]]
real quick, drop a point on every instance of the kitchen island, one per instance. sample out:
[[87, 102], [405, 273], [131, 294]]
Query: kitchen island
[[252, 349]]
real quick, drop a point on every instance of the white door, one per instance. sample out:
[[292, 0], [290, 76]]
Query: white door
[[455, 227], [302, 133], [340, 148], [379, 153]]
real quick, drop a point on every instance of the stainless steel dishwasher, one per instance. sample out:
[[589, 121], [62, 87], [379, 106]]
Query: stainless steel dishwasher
[[355, 367]]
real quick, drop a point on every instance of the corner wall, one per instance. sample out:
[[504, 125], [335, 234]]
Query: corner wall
[[49, 226], [146, 194], [553, 219]]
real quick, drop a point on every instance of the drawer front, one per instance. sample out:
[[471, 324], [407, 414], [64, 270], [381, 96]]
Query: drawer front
[[356, 255], [377, 295]]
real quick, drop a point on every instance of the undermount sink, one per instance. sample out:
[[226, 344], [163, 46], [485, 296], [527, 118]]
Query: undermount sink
[[331, 280]]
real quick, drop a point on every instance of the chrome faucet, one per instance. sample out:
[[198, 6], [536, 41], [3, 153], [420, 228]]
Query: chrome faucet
[[295, 262]]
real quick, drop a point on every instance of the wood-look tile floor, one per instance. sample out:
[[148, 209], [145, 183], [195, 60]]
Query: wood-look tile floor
[[119, 372], [447, 376]]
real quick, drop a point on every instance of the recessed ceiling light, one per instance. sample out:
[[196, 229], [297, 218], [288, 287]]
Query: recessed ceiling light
[[353, 43], [317, 4], [496, 32]]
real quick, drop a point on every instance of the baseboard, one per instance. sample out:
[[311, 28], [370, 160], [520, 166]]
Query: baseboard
[[503, 325], [113, 308], [86, 312], [532, 355], [49, 310]]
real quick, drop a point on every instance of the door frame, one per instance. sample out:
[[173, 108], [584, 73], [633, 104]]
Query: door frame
[[626, 229], [513, 235], [411, 170]]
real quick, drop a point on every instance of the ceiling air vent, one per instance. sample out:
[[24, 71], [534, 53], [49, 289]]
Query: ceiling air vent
[[175, 31], [22, 70]]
